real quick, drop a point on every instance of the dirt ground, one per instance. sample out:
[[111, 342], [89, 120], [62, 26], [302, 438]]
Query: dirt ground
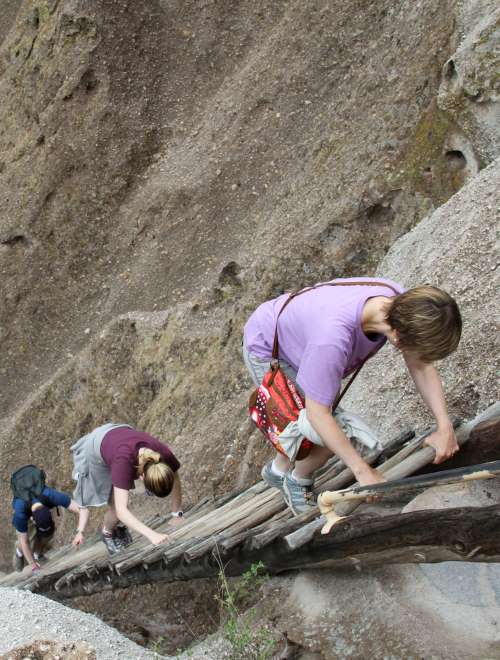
[[165, 618]]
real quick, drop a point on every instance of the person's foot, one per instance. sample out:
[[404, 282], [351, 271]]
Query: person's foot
[[113, 544], [299, 494], [272, 479], [19, 562], [122, 534]]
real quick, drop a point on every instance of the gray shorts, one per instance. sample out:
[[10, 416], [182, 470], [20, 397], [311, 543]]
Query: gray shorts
[[92, 475], [257, 368]]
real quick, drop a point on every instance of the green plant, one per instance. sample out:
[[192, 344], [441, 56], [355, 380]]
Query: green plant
[[249, 640], [155, 646]]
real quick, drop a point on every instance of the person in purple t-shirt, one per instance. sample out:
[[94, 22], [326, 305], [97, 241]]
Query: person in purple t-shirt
[[324, 334], [107, 461]]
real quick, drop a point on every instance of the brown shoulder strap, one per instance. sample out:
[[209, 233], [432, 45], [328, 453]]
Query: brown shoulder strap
[[275, 354]]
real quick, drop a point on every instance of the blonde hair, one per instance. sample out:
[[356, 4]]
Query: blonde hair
[[427, 321], [158, 476]]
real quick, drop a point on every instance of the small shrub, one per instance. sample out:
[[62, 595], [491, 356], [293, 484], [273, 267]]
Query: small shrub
[[155, 646], [249, 640]]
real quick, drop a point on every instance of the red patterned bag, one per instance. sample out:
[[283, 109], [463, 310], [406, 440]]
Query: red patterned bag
[[277, 402], [274, 404]]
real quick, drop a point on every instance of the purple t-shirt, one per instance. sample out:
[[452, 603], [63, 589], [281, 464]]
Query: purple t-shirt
[[119, 450], [319, 333]]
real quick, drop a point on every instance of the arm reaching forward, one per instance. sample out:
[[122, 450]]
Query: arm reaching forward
[[127, 518], [83, 518], [428, 383], [337, 442], [26, 550]]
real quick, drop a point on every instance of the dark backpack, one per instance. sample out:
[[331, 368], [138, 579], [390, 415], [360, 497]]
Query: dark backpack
[[28, 483]]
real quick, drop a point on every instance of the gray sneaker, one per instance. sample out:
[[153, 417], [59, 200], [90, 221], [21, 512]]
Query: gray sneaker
[[272, 479], [112, 543], [122, 534], [299, 496]]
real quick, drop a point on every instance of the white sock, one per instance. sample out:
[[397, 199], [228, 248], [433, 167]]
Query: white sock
[[303, 481], [275, 470], [36, 556]]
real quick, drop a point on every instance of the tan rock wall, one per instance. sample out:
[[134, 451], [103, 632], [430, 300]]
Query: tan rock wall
[[457, 249], [147, 146]]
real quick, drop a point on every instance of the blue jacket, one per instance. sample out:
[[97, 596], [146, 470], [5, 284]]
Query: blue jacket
[[22, 512]]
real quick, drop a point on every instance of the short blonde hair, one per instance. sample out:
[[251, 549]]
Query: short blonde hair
[[158, 475], [428, 322]]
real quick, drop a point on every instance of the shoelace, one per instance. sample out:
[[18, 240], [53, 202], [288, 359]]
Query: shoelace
[[307, 492]]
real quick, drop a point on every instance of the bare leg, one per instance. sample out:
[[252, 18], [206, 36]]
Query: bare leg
[[37, 546], [317, 457], [110, 518], [42, 545], [281, 462]]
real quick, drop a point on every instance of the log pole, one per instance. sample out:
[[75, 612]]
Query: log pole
[[327, 499], [412, 463]]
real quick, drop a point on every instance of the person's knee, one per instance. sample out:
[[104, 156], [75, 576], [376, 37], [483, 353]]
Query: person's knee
[[320, 454]]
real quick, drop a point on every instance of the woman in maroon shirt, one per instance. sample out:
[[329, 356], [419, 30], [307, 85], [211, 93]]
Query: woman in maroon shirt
[[107, 462]]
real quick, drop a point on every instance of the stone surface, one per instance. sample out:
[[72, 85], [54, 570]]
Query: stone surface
[[28, 620], [470, 89], [8, 11], [455, 248], [446, 611], [473, 493], [49, 650]]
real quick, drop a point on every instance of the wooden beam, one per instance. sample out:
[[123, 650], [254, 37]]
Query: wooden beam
[[460, 534], [283, 544], [482, 446], [446, 477], [415, 461]]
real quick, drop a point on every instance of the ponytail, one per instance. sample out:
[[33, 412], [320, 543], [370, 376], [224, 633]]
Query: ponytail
[[158, 476]]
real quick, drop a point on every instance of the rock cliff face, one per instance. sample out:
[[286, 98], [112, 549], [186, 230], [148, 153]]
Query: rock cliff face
[[167, 166], [457, 249], [470, 87], [151, 151]]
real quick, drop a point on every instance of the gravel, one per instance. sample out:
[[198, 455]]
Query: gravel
[[26, 617]]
